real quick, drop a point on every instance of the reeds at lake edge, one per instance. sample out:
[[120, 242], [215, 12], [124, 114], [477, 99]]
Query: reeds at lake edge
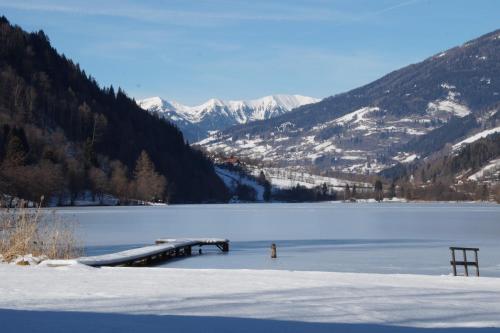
[[37, 232]]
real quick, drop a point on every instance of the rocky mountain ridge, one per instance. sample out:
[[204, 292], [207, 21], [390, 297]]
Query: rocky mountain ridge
[[196, 122]]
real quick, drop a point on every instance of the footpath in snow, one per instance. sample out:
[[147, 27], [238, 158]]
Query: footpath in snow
[[84, 299]]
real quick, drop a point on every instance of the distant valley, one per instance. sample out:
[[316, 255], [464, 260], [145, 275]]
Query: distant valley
[[397, 120]]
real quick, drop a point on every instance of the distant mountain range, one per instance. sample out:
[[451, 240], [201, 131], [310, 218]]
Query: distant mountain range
[[400, 118], [196, 122]]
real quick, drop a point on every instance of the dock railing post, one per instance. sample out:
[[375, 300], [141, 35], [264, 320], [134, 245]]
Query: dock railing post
[[453, 261], [465, 263], [477, 262]]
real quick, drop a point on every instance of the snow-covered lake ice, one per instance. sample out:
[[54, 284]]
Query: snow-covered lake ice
[[366, 237]]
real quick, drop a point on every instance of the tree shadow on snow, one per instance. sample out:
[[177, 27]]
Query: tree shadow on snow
[[21, 321]]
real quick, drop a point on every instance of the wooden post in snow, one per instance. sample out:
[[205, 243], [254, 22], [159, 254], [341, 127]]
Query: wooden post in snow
[[273, 251]]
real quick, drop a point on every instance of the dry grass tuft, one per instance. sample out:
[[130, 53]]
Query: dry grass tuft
[[35, 231]]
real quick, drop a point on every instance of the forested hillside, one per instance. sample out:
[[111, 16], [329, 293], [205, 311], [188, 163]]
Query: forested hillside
[[61, 134]]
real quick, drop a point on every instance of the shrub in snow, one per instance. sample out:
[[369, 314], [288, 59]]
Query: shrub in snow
[[33, 231]]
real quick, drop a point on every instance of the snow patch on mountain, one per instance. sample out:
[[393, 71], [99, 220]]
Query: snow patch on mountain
[[450, 104], [490, 170], [476, 137], [355, 116], [403, 157]]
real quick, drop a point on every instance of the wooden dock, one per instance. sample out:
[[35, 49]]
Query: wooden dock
[[163, 250]]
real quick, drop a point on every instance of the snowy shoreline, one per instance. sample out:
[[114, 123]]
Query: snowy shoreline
[[267, 299], [358, 201]]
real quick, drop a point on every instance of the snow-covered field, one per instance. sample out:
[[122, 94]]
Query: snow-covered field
[[490, 170], [82, 299], [282, 178], [323, 280], [231, 179]]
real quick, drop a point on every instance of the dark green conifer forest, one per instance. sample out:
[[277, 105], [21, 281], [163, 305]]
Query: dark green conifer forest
[[62, 134]]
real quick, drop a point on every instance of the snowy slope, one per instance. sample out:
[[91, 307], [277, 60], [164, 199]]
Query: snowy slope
[[232, 179], [207, 300], [476, 137], [216, 114], [281, 178], [490, 171]]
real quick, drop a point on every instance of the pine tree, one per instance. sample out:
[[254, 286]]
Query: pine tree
[[324, 190], [378, 190], [89, 154], [149, 185], [262, 177], [99, 181], [15, 152], [119, 182], [267, 191], [392, 190], [347, 192]]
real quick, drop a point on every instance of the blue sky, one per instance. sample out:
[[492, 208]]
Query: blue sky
[[192, 50]]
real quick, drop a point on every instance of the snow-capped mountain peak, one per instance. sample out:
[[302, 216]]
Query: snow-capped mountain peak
[[213, 102], [288, 102], [216, 114], [152, 103]]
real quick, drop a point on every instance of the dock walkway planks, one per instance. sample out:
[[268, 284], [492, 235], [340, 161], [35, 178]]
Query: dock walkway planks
[[164, 249]]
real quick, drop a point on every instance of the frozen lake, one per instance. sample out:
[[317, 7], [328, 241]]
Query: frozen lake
[[361, 237]]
